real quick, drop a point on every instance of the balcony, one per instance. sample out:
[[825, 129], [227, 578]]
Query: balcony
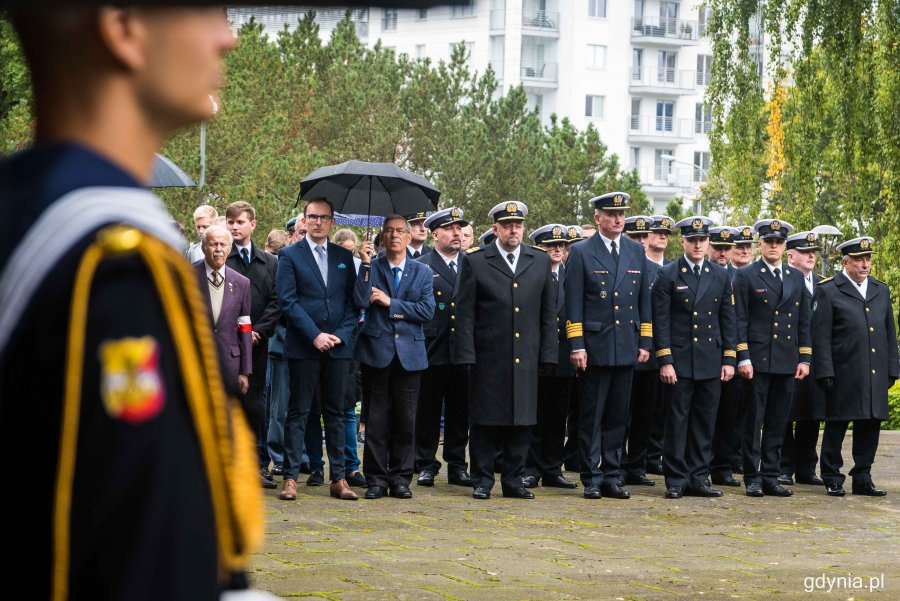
[[667, 81], [541, 22], [498, 20], [668, 179], [535, 71], [660, 130], [664, 31], [702, 127]]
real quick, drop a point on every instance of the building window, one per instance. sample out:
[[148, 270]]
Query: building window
[[701, 160], [593, 107], [422, 14], [702, 118], [665, 111], [470, 46], [637, 57], [463, 10], [662, 167], [666, 62], [635, 113], [704, 69], [635, 154], [704, 16], [420, 50], [389, 21], [597, 8], [596, 56]]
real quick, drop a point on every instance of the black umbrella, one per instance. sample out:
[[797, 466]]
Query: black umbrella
[[371, 189], [167, 174]]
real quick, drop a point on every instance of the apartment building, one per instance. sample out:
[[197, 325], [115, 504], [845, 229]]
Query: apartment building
[[637, 70]]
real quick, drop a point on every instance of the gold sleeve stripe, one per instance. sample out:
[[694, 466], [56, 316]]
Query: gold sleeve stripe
[[663, 352], [729, 354], [732, 299], [574, 330], [647, 329], [806, 350], [742, 346]]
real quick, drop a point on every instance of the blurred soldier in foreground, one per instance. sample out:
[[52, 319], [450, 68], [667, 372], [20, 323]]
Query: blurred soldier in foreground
[[855, 363], [152, 493]]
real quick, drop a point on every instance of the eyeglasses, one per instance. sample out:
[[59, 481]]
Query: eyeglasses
[[319, 218], [391, 230]]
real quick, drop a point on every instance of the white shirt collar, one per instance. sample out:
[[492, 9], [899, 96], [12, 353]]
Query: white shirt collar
[[608, 241], [861, 288], [209, 269], [504, 252], [454, 258], [772, 268], [402, 264], [248, 246], [691, 263]]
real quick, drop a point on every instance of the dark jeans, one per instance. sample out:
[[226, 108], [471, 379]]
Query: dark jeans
[[765, 419], [279, 395], [690, 423], [605, 393], [308, 375], [865, 444], [390, 432]]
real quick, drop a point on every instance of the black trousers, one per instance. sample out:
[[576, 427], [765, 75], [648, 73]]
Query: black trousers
[[442, 386], [308, 375], [571, 453], [486, 442], [735, 397], [798, 453], [390, 432], [644, 398], [690, 424], [605, 393], [765, 419], [658, 426], [865, 444], [545, 454]]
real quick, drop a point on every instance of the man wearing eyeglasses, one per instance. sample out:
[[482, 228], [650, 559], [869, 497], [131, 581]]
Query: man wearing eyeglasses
[[314, 283]]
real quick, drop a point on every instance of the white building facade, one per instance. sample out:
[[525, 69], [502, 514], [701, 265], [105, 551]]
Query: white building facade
[[637, 70]]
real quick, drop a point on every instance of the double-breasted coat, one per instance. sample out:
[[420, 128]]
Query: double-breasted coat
[[809, 400], [854, 342], [506, 326], [440, 331]]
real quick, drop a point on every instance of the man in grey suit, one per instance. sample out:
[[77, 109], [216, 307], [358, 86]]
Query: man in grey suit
[[227, 295]]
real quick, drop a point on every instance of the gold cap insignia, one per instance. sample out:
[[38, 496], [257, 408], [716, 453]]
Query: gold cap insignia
[[747, 232], [557, 232], [811, 237], [641, 223], [512, 207], [775, 225], [725, 234], [617, 199], [864, 244], [455, 213], [697, 224], [667, 223]]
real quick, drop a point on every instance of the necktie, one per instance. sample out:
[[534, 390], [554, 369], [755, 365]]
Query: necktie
[[216, 278], [777, 273], [416, 254], [555, 277], [322, 260], [697, 270], [245, 255], [615, 251], [510, 257], [453, 266], [396, 271]]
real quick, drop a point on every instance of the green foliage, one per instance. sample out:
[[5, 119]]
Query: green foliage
[[893, 422], [15, 93]]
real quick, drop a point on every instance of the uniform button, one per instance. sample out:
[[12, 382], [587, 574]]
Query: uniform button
[[685, 300], [710, 339], [709, 327], [776, 312], [789, 326], [775, 336], [616, 307], [616, 293], [439, 293], [452, 305], [871, 329], [790, 314], [709, 312], [631, 306], [617, 322], [452, 329], [517, 334], [695, 314], [873, 350], [453, 317], [631, 294], [557, 319], [515, 284], [873, 371], [797, 303], [695, 326], [789, 337], [634, 281], [776, 324], [396, 336], [517, 359], [517, 309], [867, 309], [695, 340], [765, 300]]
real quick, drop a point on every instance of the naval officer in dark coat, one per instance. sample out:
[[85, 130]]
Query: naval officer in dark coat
[[506, 330], [856, 362], [693, 309], [773, 350], [608, 325]]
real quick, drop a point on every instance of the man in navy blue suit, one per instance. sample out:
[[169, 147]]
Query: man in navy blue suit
[[314, 283], [396, 292]]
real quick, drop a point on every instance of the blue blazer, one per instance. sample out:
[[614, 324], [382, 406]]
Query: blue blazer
[[308, 308], [395, 330]]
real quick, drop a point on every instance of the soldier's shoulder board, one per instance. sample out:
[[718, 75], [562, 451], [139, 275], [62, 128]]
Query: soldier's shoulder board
[[826, 280], [877, 280], [538, 248], [474, 250]]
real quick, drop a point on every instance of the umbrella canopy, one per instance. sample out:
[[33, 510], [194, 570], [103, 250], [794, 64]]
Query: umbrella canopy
[[371, 189], [167, 174], [358, 220]]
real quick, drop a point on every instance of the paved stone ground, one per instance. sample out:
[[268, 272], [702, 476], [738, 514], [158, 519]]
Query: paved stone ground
[[442, 544]]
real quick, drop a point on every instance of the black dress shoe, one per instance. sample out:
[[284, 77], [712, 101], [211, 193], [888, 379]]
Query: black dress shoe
[[459, 478], [814, 480], [614, 491], [304, 468], [518, 493], [639, 480], [400, 491], [655, 468], [277, 470], [426, 478], [529, 481], [785, 479], [559, 481], [755, 489], [267, 482], [316, 479], [738, 470], [725, 481], [868, 489], [777, 491], [592, 491], [266, 474], [357, 479], [834, 490], [481, 492], [375, 492], [674, 492], [703, 491]]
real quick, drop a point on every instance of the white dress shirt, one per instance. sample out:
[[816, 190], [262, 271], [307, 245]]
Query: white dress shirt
[[515, 253]]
